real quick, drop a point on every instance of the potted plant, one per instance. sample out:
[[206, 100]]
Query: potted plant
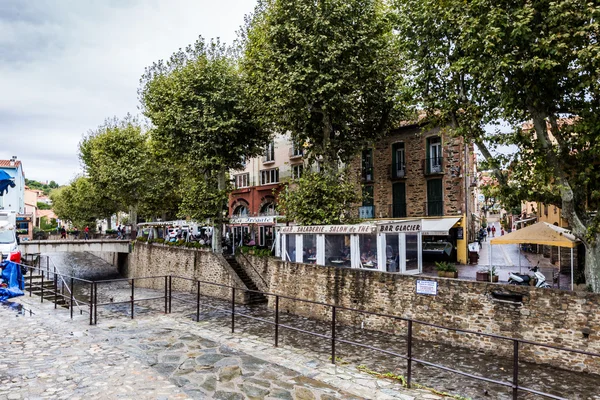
[[483, 275], [493, 274], [446, 270]]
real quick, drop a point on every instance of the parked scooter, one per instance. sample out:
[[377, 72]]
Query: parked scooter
[[538, 279]]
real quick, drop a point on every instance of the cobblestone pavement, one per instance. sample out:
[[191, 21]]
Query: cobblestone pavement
[[156, 356]]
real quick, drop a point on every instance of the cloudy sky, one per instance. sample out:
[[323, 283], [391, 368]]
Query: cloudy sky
[[66, 65]]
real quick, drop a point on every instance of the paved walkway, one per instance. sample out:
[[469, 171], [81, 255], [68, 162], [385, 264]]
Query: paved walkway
[[162, 357]]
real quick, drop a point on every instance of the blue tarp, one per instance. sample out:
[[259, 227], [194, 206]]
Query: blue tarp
[[5, 181], [13, 277]]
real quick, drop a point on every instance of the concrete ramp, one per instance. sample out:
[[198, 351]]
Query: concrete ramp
[[74, 246]]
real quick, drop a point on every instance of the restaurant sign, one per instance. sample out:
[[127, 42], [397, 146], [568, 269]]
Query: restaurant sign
[[337, 229], [399, 227], [252, 220]]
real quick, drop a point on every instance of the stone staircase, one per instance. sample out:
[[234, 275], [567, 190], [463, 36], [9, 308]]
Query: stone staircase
[[34, 282], [253, 297]]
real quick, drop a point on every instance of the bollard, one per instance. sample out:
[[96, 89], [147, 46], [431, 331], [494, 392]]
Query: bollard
[[166, 294], [132, 296], [91, 303], [198, 302], [233, 310]]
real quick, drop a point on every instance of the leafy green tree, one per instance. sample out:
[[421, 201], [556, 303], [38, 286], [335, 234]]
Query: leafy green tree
[[197, 103], [327, 71], [316, 198], [43, 206], [78, 203], [115, 158], [480, 62]]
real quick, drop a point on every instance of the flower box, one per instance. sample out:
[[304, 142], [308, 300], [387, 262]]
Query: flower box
[[447, 274]]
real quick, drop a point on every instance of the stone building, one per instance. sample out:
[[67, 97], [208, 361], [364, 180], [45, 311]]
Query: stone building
[[410, 173]]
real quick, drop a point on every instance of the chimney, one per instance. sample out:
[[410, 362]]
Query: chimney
[[12, 161]]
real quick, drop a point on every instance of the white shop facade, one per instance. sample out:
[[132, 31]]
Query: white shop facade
[[394, 246]]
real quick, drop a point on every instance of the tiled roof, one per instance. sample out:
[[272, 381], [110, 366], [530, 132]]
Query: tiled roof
[[6, 164]]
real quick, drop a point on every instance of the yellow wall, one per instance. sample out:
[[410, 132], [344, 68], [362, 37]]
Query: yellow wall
[[462, 256], [551, 215]]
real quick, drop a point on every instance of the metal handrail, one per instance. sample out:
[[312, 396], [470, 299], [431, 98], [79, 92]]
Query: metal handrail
[[168, 297], [69, 289], [252, 266]]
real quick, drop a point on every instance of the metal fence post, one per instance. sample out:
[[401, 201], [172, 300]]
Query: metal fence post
[[198, 301], [42, 288], [409, 354], [132, 296], [233, 309], [515, 391], [170, 292], [95, 303], [276, 321], [55, 290], [30, 280], [71, 300], [166, 294], [333, 334], [91, 303]]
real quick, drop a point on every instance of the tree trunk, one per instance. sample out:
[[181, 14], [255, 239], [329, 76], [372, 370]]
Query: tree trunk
[[592, 264], [109, 222], [133, 221], [218, 220]]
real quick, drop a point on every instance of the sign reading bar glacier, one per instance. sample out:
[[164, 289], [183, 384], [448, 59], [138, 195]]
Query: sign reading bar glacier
[[404, 226]]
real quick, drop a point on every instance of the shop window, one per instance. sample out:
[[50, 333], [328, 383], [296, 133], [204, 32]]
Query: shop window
[[240, 211], [337, 250]]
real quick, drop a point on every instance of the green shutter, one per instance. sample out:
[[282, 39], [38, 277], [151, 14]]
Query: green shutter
[[399, 200], [435, 199]]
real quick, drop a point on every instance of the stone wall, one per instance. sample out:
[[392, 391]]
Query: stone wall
[[549, 316], [190, 264]]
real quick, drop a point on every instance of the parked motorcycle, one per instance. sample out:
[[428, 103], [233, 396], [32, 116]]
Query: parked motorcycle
[[537, 279]]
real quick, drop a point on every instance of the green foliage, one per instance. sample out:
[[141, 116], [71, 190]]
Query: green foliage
[[46, 188], [78, 203], [477, 63], [327, 71], [43, 206], [444, 266], [319, 199], [198, 105], [254, 250], [48, 225]]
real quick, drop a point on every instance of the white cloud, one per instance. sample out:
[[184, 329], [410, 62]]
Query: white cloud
[[66, 65]]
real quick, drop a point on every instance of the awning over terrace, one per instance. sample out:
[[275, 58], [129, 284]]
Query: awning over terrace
[[540, 233]]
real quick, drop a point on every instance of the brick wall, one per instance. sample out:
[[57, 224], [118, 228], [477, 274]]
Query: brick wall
[[415, 144], [200, 264], [559, 318]]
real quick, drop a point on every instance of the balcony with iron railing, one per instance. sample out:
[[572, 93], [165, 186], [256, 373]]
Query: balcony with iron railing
[[268, 159], [434, 208], [397, 210], [434, 166], [398, 171], [295, 153], [366, 212], [367, 173]]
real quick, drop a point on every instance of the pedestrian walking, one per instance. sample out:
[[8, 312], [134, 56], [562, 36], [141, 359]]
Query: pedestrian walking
[[502, 232], [63, 233], [119, 232], [493, 231], [489, 229], [87, 233]]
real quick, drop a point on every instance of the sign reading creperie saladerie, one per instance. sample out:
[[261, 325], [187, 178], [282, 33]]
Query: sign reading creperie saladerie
[[408, 226], [341, 229]]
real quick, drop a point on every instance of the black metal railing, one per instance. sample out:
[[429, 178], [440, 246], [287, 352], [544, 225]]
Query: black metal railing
[[409, 357], [398, 170], [367, 173], [434, 165], [434, 208], [398, 210], [366, 212]]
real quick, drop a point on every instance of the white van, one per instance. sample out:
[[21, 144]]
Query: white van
[[9, 247]]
